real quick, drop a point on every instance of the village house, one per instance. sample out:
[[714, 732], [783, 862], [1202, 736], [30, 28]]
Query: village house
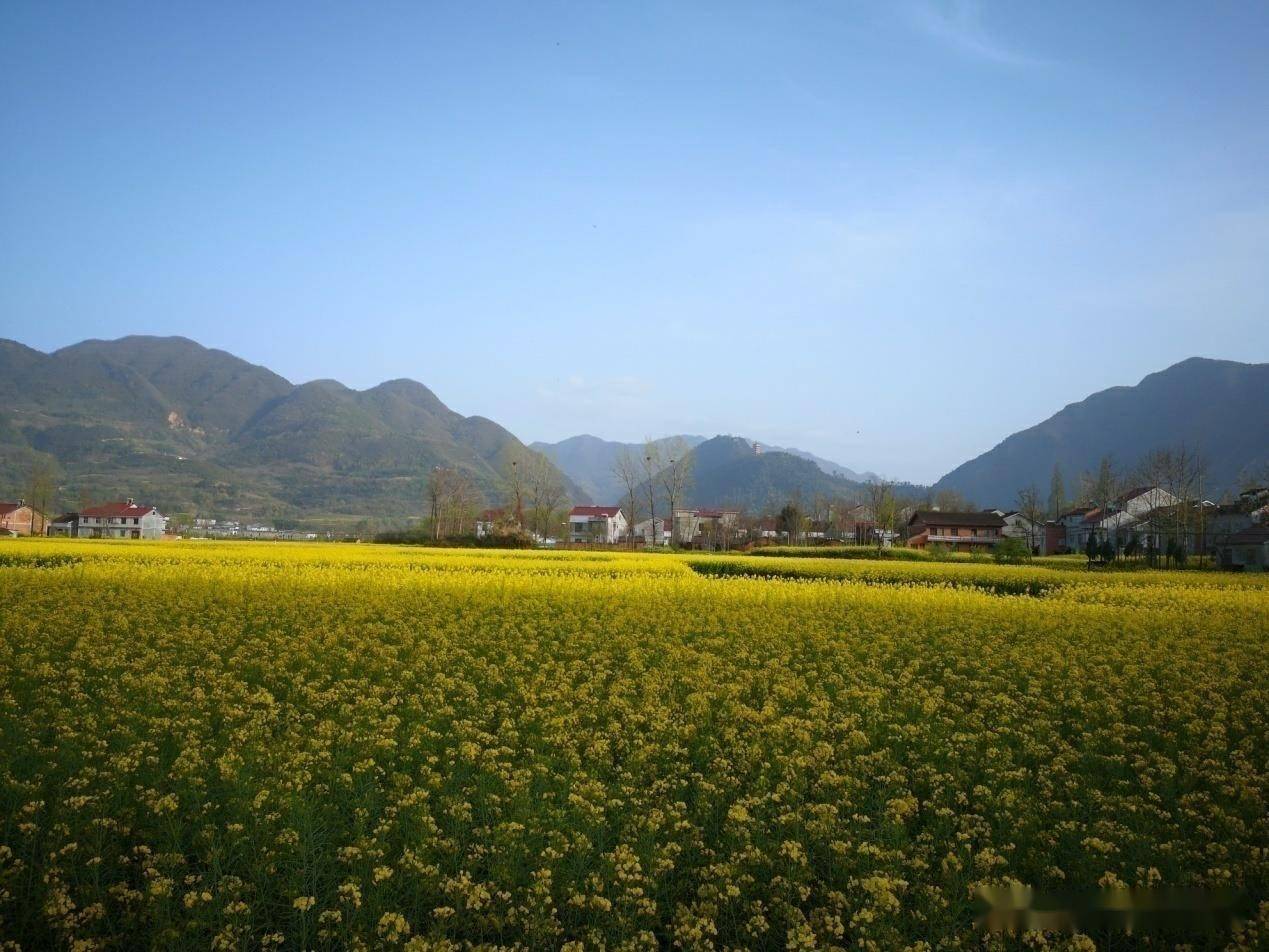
[[20, 518], [1221, 522], [1042, 538], [705, 527], [67, 524], [1095, 525], [959, 531], [217, 529], [1196, 527], [1018, 526], [1131, 515], [602, 524], [857, 524], [653, 531], [1245, 551], [768, 527], [1069, 523], [121, 520], [1225, 520], [488, 521], [1054, 538]]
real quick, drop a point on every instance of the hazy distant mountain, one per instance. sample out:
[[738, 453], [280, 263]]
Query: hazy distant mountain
[[727, 471], [827, 465], [191, 428], [588, 461], [1218, 407]]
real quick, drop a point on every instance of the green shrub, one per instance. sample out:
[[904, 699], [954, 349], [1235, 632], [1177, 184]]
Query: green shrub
[[1011, 551]]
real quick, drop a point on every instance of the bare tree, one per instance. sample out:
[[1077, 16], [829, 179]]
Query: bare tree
[[1032, 510], [1100, 489], [546, 492], [727, 528], [885, 507], [651, 467], [629, 472], [462, 504], [1180, 472], [675, 477], [41, 489], [440, 482], [515, 474], [821, 512]]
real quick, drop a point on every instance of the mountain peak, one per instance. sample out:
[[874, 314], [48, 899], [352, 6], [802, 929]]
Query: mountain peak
[[1218, 407]]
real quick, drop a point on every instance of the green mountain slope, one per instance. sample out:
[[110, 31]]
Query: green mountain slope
[[726, 471], [1218, 407], [191, 428]]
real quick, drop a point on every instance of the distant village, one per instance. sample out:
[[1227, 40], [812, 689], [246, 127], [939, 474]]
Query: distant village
[[128, 519], [1146, 523]]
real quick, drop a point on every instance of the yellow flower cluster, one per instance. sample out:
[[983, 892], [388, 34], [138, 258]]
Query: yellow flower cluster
[[243, 745]]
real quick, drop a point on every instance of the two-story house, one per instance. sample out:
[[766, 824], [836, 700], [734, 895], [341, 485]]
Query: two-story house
[[20, 518], [603, 524], [958, 531], [121, 520]]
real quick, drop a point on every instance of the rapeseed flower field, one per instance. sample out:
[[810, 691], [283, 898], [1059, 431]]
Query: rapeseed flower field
[[259, 746]]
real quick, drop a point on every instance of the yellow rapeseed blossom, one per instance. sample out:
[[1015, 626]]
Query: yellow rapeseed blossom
[[204, 744]]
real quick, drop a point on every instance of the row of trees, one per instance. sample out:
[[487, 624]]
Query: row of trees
[[662, 469], [534, 490]]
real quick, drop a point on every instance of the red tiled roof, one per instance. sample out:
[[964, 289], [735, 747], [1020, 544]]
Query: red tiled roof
[[115, 510], [609, 511], [933, 517], [8, 507], [492, 515]]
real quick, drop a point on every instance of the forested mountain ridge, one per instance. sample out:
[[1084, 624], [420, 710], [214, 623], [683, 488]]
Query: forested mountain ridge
[[1217, 408], [194, 429]]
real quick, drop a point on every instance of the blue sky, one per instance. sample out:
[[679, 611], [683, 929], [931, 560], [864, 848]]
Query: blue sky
[[889, 233]]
